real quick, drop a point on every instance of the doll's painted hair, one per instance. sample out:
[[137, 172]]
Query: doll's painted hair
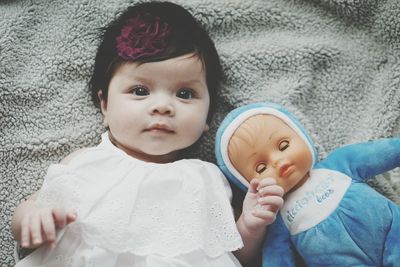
[[151, 32]]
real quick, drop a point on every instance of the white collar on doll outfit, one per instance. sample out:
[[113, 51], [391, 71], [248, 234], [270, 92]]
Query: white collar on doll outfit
[[315, 200]]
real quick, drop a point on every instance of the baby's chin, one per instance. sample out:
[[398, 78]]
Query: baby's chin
[[159, 156]]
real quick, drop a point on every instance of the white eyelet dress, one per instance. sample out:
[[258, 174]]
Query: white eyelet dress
[[135, 213]]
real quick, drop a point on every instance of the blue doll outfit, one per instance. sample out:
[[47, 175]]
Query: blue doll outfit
[[334, 218]]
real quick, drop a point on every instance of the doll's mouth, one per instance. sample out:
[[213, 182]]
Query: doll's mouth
[[285, 170]]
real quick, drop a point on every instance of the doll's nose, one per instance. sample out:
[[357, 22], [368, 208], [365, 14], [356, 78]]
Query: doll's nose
[[276, 163]]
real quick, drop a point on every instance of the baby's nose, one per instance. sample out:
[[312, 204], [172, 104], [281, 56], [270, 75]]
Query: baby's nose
[[163, 106]]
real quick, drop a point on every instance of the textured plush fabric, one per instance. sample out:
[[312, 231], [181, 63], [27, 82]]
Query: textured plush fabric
[[337, 62]]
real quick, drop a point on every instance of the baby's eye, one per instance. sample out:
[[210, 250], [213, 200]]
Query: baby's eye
[[283, 145], [185, 93], [140, 91], [261, 167]]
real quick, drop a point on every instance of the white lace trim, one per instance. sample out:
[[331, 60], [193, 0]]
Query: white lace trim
[[74, 252]]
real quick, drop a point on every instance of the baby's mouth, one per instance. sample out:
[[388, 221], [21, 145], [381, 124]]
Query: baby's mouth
[[161, 128]]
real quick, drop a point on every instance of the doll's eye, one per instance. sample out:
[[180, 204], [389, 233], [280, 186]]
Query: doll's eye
[[140, 91], [261, 167], [283, 145]]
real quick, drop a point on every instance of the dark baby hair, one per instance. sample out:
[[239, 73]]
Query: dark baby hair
[[186, 35]]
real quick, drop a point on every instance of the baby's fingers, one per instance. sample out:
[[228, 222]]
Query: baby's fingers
[[266, 182], [35, 229], [48, 227], [272, 203], [254, 185], [271, 190], [266, 215], [60, 217], [71, 216], [25, 232]]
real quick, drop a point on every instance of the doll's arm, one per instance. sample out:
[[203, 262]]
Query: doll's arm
[[391, 253], [365, 160], [278, 249]]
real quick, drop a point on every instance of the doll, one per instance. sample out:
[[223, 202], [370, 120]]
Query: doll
[[330, 216]]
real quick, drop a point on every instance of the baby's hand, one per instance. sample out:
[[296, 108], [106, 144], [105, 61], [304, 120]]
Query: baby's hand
[[39, 225], [262, 202]]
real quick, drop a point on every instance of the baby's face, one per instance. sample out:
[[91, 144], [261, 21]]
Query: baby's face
[[264, 146], [155, 109]]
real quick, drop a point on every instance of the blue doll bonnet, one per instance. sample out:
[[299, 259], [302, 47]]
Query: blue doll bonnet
[[235, 118]]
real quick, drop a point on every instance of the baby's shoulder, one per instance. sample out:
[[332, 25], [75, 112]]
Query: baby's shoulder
[[206, 164], [73, 155]]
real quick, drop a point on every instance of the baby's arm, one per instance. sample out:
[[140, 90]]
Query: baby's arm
[[32, 225], [260, 206]]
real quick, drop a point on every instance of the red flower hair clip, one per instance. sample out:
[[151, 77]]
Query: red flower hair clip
[[142, 36]]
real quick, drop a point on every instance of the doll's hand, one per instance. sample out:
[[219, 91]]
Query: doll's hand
[[262, 202], [38, 225]]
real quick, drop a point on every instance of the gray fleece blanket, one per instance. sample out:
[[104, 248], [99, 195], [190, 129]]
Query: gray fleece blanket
[[336, 63]]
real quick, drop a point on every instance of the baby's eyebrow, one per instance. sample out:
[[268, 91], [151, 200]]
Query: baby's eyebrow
[[193, 82], [142, 78]]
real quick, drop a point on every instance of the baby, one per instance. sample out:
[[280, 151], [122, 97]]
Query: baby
[[136, 199]]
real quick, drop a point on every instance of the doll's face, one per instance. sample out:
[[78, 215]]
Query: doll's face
[[265, 146]]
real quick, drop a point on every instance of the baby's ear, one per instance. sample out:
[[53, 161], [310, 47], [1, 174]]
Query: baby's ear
[[102, 101], [206, 127], [103, 106]]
